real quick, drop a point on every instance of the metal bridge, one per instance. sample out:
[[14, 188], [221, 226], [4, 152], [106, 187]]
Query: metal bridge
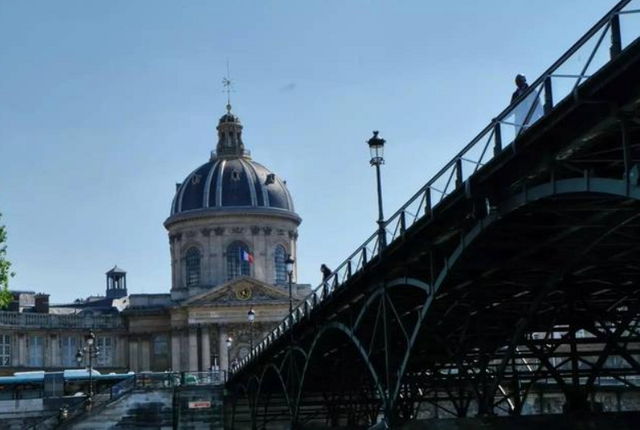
[[508, 284]]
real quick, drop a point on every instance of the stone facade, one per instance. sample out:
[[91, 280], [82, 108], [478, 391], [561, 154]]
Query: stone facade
[[213, 234], [231, 227]]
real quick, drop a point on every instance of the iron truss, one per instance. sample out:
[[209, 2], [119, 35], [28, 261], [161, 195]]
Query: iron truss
[[517, 293]]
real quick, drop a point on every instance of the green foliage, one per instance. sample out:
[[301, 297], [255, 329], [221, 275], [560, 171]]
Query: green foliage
[[6, 298]]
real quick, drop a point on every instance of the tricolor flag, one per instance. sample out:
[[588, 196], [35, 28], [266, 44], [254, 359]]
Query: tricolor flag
[[246, 256]]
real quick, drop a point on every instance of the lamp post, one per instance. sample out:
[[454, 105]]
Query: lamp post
[[229, 344], [289, 262], [251, 316], [90, 351], [376, 147]]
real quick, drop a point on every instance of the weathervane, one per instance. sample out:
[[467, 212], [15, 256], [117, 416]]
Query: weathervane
[[227, 83]]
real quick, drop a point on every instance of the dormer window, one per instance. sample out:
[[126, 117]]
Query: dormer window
[[271, 178], [195, 179], [235, 175]]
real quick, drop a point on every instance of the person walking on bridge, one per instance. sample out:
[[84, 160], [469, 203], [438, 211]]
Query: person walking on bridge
[[528, 110]]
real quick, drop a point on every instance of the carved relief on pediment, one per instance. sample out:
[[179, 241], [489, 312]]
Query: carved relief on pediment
[[238, 292]]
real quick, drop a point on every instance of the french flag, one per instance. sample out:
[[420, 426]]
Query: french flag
[[246, 256]]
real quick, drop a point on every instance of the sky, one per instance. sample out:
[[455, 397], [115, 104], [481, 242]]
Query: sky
[[105, 105]]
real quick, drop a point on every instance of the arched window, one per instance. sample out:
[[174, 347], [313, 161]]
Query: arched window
[[238, 260], [281, 270], [192, 260]]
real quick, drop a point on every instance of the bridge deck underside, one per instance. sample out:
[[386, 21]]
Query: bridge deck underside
[[524, 282]]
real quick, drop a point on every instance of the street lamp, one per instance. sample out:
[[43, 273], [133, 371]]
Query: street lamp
[[89, 351], [288, 264], [229, 343], [376, 146], [251, 315]]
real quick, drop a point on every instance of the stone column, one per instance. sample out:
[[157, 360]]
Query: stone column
[[121, 352], [206, 350], [175, 351], [23, 359], [54, 351], [193, 349], [134, 362], [222, 345], [145, 355]]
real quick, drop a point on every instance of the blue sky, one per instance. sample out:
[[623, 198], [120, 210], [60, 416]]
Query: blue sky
[[106, 105]]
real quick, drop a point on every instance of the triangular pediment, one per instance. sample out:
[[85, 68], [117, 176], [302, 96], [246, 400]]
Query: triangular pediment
[[238, 291]]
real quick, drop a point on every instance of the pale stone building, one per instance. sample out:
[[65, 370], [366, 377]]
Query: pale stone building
[[231, 227]]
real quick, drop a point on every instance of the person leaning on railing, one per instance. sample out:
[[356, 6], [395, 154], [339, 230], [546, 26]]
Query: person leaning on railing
[[326, 272], [529, 109]]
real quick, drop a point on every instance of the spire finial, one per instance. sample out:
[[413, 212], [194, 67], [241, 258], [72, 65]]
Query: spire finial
[[228, 85]]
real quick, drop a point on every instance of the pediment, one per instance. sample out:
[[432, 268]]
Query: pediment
[[238, 291]]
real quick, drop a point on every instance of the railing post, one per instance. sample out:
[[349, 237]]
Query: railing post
[[349, 269], [616, 39], [548, 95], [364, 255], [497, 136], [403, 223], [458, 172]]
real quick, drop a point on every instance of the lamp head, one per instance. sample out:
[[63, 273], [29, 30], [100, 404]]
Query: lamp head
[[251, 315], [288, 263], [91, 338], [376, 147]]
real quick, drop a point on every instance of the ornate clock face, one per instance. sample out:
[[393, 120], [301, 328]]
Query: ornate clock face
[[243, 293]]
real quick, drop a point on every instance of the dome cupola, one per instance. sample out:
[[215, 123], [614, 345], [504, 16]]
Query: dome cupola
[[230, 136]]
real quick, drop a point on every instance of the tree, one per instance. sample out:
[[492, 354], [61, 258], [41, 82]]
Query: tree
[[6, 298]]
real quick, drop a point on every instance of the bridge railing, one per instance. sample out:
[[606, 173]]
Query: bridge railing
[[620, 27]]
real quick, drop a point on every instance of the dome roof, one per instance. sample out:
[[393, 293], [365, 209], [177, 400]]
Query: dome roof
[[231, 180], [231, 183]]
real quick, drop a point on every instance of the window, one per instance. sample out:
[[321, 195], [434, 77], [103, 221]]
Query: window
[[281, 269], [36, 351], [237, 260], [105, 346], [193, 267], [161, 345], [69, 350], [5, 350]]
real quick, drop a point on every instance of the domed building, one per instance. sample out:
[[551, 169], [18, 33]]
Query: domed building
[[231, 217], [232, 226], [231, 230]]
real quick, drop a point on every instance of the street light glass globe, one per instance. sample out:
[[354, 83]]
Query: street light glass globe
[[289, 264]]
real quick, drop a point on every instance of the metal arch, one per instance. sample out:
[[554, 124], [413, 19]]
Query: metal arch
[[605, 186], [252, 405], [379, 291], [291, 351], [278, 371], [356, 342], [566, 186], [284, 387]]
